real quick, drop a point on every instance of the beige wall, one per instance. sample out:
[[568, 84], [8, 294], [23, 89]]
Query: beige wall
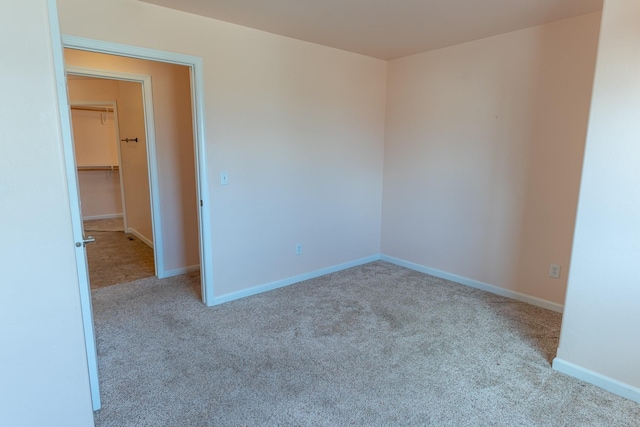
[[171, 88], [94, 134], [483, 151], [43, 365], [600, 325], [135, 166], [298, 127]]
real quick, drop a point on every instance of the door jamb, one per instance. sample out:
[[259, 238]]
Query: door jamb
[[152, 163]]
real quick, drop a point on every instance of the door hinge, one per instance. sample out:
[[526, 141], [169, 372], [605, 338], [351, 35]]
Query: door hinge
[[201, 204]]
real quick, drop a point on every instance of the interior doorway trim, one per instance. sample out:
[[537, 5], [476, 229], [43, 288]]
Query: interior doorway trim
[[195, 64], [152, 162]]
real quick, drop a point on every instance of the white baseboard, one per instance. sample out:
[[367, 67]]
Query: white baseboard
[[476, 284], [179, 271], [614, 386], [107, 216], [291, 280], [140, 236]]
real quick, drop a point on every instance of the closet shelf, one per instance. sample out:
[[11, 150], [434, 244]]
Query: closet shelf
[[100, 108], [98, 168]]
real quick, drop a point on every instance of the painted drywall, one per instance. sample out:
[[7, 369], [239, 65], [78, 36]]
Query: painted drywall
[[135, 166], [99, 190], [171, 91], [94, 135], [602, 312], [483, 150], [43, 366], [298, 127], [100, 194]]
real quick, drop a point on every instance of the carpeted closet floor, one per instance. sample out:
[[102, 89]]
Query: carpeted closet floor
[[116, 256]]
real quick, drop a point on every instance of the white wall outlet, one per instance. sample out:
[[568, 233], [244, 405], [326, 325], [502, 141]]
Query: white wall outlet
[[224, 178], [299, 249], [554, 271]]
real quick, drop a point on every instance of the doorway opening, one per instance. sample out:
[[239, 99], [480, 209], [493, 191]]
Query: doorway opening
[[115, 57]]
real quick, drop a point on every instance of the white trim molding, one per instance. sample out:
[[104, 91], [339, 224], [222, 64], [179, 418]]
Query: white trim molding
[[476, 284], [183, 270], [144, 240], [106, 216], [291, 280], [614, 386]]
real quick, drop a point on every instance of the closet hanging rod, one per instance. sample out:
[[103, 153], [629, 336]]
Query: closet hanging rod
[[90, 108], [98, 168]]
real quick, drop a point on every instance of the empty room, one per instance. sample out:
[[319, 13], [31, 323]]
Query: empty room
[[407, 213]]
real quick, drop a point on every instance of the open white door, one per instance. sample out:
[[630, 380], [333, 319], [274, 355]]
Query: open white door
[[74, 199]]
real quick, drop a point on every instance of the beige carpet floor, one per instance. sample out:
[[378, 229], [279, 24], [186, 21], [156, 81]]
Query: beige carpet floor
[[375, 345], [116, 257]]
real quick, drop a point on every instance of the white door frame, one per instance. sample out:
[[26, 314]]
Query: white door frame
[[152, 163], [195, 65]]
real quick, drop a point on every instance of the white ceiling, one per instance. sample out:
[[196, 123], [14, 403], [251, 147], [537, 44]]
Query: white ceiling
[[386, 29]]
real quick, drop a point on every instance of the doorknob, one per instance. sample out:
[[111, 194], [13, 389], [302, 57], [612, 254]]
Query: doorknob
[[89, 239]]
